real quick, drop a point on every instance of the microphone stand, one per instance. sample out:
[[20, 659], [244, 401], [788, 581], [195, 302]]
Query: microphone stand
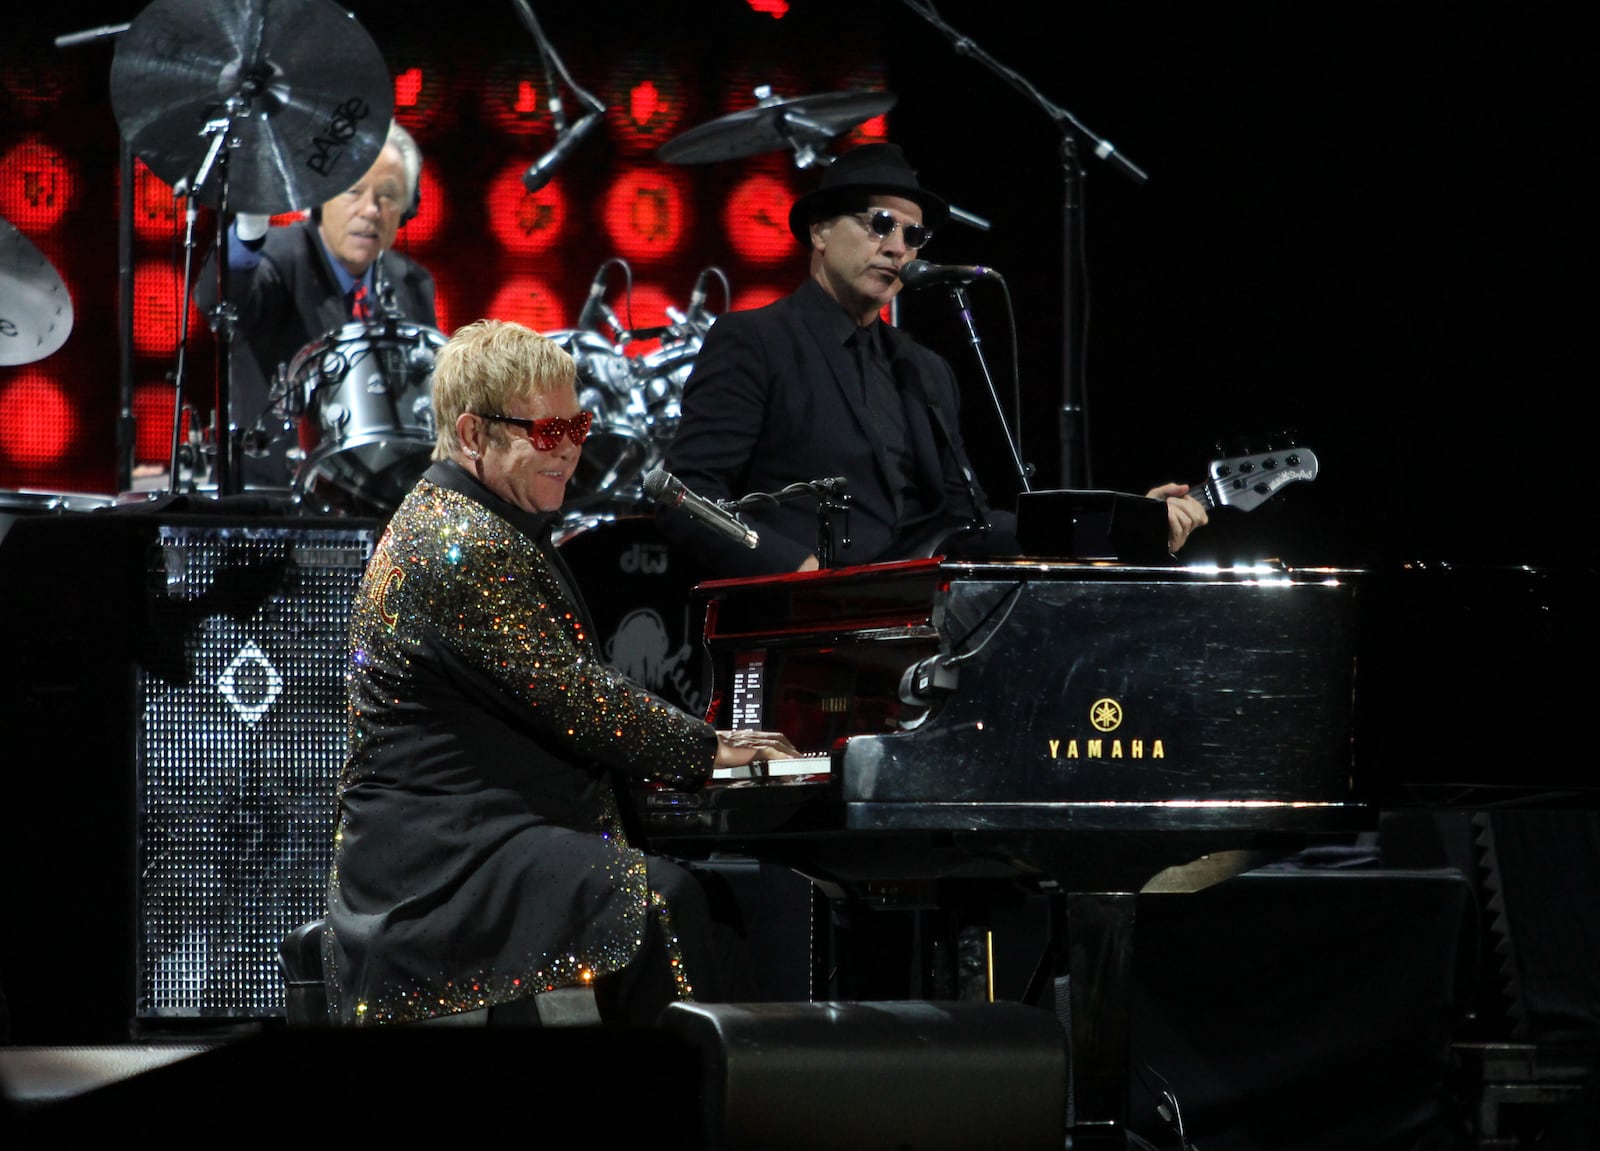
[[1074, 419], [833, 507], [833, 518], [548, 56], [958, 294]]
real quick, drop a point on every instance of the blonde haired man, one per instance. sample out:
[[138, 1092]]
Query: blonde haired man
[[480, 858]]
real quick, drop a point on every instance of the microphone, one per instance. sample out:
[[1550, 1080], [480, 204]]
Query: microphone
[[920, 273], [594, 308], [668, 491], [542, 169], [696, 318], [386, 301]]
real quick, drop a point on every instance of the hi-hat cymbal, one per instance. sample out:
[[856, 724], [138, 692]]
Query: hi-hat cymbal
[[35, 309], [775, 124], [312, 86]]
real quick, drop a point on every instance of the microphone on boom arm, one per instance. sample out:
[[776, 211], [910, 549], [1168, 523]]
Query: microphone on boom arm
[[667, 490]]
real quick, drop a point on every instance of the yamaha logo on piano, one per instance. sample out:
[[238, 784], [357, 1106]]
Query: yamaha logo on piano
[[1105, 716]]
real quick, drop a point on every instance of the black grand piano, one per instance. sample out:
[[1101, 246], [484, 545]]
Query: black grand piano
[[1091, 729], [1096, 730]]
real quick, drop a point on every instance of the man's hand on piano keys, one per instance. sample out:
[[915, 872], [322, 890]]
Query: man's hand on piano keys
[[737, 748], [1184, 513]]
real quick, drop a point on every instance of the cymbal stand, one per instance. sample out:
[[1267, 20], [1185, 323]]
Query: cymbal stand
[[805, 136], [224, 435]]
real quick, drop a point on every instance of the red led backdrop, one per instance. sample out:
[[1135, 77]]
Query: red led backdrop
[[478, 104]]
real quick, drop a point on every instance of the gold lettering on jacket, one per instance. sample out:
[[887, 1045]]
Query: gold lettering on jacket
[[391, 583]]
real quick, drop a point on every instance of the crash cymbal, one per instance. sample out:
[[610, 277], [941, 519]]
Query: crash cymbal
[[314, 89], [35, 309], [774, 124]]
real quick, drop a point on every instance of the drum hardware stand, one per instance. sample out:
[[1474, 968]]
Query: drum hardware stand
[[1075, 472], [224, 439], [285, 405]]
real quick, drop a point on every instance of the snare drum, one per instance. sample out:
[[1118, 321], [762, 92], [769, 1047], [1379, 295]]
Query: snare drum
[[618, 451], [368, 425]]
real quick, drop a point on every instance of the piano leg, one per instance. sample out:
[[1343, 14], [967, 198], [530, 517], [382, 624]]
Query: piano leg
[[1091, 960], [909, 941]]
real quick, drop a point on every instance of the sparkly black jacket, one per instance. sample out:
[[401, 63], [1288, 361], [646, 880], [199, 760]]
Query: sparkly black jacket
[[479, 853]]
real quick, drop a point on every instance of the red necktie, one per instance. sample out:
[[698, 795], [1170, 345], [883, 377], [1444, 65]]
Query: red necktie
[[359, 308]]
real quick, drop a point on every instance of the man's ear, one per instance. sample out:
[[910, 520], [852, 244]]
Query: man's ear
[[470, 432]]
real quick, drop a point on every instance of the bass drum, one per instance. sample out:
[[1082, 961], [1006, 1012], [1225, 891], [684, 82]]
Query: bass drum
[[638, 587], [618, 451], [367, 428]]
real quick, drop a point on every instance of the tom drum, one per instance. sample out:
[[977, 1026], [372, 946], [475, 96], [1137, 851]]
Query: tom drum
[[368, 426]]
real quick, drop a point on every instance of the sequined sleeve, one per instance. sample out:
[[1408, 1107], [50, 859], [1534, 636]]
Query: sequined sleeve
[[451, 569]]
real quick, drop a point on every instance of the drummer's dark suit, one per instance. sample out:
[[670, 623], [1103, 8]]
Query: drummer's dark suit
[[290, 299], [775, 398]]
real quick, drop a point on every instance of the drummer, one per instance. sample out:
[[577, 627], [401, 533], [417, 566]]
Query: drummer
[[293, 285]]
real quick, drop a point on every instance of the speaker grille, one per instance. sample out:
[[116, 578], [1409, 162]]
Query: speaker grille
[[241, 742]]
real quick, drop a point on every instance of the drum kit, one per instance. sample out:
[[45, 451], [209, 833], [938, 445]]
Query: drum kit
[[361, 393], [220, 104], [272, 107]]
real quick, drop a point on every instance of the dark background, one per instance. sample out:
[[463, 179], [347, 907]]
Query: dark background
[[1361, 227]]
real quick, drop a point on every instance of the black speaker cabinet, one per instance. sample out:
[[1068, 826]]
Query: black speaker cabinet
[[177, 731]]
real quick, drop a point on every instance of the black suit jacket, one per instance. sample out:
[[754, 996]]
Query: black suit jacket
[[285, 303], [770, 403]]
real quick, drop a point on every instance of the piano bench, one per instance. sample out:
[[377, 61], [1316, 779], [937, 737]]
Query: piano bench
[[305, 995], [878, 1074]]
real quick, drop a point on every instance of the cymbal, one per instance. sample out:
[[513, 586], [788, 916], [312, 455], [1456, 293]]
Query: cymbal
[[35, 309], [775, 124], [311, 91]]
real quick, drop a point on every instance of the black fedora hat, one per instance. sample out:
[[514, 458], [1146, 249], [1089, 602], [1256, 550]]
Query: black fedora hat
[[872, 169]]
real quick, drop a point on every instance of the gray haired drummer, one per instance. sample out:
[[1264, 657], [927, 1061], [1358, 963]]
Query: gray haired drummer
[[293, 286]]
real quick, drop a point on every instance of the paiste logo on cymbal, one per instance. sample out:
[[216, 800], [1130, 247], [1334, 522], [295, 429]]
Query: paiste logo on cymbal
[[1106, 716]]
